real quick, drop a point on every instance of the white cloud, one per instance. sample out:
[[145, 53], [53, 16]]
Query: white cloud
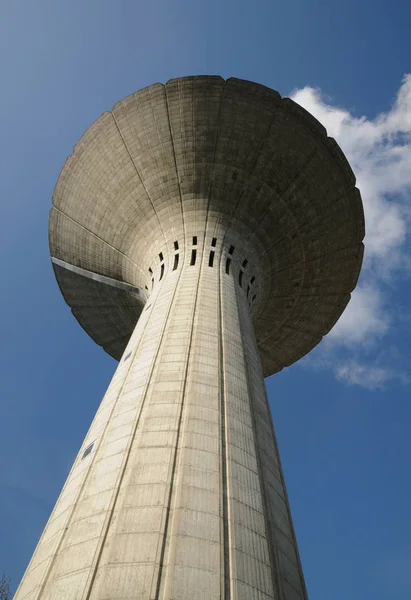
[[370, 377], [364, 321], [379, 151]]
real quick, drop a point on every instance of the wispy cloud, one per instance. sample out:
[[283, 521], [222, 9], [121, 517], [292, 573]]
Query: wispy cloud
[[379, 151], [365, 320], [368, 376]]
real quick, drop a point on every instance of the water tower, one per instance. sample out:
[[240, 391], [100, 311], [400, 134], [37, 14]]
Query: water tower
[[205, 233]]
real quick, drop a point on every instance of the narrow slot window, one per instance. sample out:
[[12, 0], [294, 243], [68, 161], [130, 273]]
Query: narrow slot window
[[150, 270], [161, 273], [231, 250], [194, 240], [87, 451], [176, 245], [248, 291], [252, 280], [240, 279], [227, 266], [253, 298], [175, 262], [245, 263], [146, 288], [193, 257], [214, 242], [152, 282], [211, 259], [160, 256]]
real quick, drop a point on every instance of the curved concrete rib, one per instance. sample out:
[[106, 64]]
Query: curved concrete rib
[[121, 285]]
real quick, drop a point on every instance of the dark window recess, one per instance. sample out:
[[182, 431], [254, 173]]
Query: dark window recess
[[231, 250], [252, 280], [161, 273], [176, 245], [245, 263], [248, 291], [194, 240], [87, 451], [160, 256], [193, 257], [211, 259], [150, 270], [253, 298], [240, 279], [227, 266], [146, 287], [214, 242], [175, 262], [127, 357]]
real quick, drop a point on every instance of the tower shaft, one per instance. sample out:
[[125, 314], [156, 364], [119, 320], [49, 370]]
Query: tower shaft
[[177, 491]]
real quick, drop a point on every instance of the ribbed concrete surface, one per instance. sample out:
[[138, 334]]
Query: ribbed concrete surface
[[239, 220], [169, 158], [182, 495]]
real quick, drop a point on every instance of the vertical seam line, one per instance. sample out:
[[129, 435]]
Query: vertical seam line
[[223, 432], [92, 462], [139, 176], [133, 434], [270, 531], [175, 161], [177, 448]]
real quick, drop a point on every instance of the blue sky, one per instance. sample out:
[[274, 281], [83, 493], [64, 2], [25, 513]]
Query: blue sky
[[343, 414]]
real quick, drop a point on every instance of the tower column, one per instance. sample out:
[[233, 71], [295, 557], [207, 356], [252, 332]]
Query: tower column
[[177, 491]]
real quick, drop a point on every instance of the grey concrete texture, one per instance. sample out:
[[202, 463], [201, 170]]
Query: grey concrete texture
[[182, 495], [232, 153]]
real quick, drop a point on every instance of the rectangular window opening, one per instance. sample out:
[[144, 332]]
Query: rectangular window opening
[[211, 259], [160, 256], [193, 257], [175, 261], [87, 451], [161, 273], [194, 240], [240, 279], [214, 242], [227, 266], [176, 245], [231, 250], [248, 291]]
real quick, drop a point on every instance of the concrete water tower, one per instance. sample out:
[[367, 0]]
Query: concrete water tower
[[205, 233]]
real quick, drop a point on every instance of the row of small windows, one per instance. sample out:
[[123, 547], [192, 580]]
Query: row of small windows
[[210, 263], [193, 256]]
